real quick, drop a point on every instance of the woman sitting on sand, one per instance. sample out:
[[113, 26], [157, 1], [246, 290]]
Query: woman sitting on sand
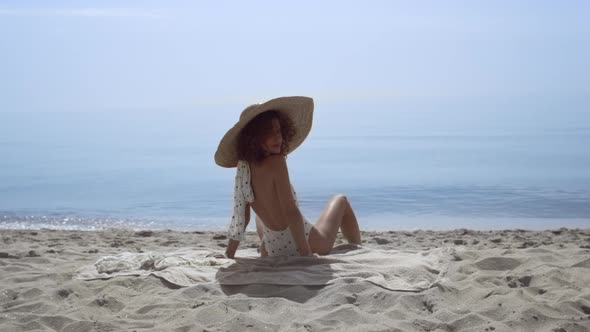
[[258, 145]]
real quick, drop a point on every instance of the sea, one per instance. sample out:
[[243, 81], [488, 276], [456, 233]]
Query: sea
[[400, 169]]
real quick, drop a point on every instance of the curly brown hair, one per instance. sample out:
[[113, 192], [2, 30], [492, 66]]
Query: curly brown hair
[[253, 134]]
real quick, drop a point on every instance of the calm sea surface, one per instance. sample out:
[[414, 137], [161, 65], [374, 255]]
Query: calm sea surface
[[400, 171]]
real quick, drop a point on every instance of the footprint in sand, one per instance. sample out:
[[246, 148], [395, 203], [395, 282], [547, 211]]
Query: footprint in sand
[[381, 241], [585, 263], [108, 302], [498, 263], [64, 292], [514, 282]]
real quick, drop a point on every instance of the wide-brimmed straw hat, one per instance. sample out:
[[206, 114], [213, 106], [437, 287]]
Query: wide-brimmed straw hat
[[299, 109]]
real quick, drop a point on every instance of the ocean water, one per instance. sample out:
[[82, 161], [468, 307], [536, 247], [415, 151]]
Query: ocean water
[[400, 170]]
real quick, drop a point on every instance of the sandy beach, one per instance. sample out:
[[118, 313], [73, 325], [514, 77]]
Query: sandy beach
[[509, 280]]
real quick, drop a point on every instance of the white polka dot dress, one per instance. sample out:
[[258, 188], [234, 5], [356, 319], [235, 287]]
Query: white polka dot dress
[[243, 195]]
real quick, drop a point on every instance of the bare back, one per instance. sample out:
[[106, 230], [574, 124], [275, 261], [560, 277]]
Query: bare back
[[267, 198]]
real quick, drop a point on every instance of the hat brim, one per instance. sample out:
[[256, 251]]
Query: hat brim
[[298, 108]]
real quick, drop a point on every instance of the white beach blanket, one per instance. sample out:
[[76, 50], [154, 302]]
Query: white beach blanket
[[391, 269]]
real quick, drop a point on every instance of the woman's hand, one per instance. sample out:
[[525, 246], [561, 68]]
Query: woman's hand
[[305, 250], [232, 246]]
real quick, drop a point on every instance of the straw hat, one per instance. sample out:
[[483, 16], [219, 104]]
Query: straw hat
[[298, 109]]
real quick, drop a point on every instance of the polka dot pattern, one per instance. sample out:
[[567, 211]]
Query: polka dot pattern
[[281, 243], [243, 194]]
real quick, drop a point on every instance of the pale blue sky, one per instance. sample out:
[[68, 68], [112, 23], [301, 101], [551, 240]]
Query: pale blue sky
[[94, 56], [428, 107]]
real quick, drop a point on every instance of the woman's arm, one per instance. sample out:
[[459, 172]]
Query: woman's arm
[[241, 210], [232, 245], [288, 206]]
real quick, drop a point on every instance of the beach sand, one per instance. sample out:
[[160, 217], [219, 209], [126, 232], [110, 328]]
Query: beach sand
[[508, 280]]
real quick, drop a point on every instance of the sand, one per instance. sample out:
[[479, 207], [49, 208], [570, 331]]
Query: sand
[[509, 280]]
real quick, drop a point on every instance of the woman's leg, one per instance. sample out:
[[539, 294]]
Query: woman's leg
[[337, 214]]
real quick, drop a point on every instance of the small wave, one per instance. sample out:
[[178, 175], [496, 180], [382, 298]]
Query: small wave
[[12, 220]]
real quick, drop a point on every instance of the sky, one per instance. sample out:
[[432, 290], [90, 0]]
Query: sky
[[472, 92], [104, 56]]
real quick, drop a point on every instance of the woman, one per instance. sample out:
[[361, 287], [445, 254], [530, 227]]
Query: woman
[[258, 145]]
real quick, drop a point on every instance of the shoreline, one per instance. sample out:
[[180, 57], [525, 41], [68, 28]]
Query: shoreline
[[373, 222], [548, 288]]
